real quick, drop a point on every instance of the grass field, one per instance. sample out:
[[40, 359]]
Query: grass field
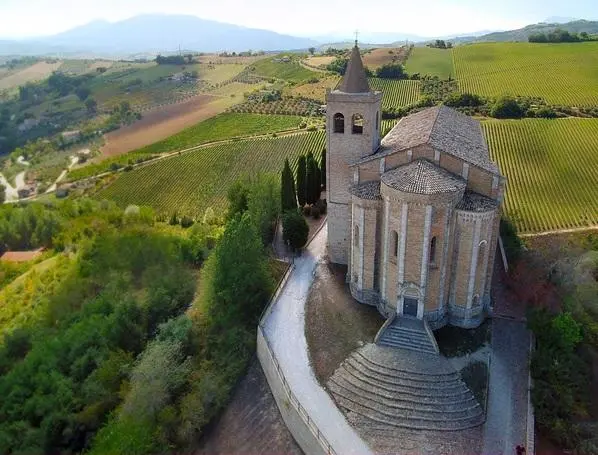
[[223, 126], [191, 182], [430, 61], [396, 93], [564, 73], [551, 169], [289, 71], [316, 90]]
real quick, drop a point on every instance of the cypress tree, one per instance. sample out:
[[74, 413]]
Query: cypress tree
[[287, 192], [301, 181], [323, 167], [311, 179]]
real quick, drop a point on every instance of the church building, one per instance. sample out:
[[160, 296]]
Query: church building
[[415, 215]]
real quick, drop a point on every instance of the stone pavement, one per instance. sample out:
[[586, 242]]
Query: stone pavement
[[285, 330], [506, 420]]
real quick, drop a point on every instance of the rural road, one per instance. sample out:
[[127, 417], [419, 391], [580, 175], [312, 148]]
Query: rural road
[[285, 330], [62, 175], [12, 193]]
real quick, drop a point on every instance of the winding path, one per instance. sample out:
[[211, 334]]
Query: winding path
[[285, 330]]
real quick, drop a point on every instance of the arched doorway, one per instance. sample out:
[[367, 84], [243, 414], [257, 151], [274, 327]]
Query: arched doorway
[[410, 303]]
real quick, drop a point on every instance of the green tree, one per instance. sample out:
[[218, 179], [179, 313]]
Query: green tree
[[91, 105], [312, 180], [2, 194], [263, 204], [301, 181], [312, 50], [295, 230], [506, 107], [288, 195], [82, 92], [237, 196], [323, 167]]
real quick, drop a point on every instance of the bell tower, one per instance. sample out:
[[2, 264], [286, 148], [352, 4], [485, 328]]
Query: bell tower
[[353, 118]]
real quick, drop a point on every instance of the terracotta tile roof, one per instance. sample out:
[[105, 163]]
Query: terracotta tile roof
[[444, 129], [354, 80], [21, 256], [475, 202], [367, 190], [423, 177]]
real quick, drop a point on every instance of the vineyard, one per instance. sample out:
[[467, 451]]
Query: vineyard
[[428, 61], [387, 125], [193, 181], [396, 93], [550, 167], [563, 73]]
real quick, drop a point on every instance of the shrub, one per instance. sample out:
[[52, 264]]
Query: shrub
[[511, 240], [463, 100], [295, 230], [186, 221], [506, 107], [546, 112], [315, 212], [128, 168]]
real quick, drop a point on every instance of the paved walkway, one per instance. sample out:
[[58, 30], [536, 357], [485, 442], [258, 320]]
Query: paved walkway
[[506, 422], [285, 330]]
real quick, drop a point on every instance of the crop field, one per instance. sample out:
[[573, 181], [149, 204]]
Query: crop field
[[387, 125], [563, 73], [220, 127], [35, 72], [430, 61], [289, 71], [193, 181], [396, 93], [316, 90], [377, 57], [551, 169], [319, 61]]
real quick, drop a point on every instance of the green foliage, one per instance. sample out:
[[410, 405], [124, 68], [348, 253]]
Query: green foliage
[[277, 68], [391, 71], [170, 60], [312, 179], [323, 167], [561, 377], [511, 241], [238, 195], [456, 99], [338, 65], [295, 230], [288, 195], [302, 187], [506, 107], [557, 36], [263, 204]]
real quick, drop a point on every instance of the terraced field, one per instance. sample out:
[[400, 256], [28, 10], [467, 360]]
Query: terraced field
[[430, 61], [551, 167], [191, 182], [563, 73], [396, 93], [290, 71]]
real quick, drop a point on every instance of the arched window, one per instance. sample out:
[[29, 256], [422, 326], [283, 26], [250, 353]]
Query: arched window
[[433, 250], [394, 244], [339, 123], [357, 124], [377, 126], [356, 236]]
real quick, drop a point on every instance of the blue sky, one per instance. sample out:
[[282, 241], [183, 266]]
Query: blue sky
[[25, 18]]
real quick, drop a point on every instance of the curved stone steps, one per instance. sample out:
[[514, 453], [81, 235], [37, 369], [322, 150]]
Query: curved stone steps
[[409, 334], [396, 401], [414, 421], [419, 401], [397, 374], [377, 379], [413, 363]]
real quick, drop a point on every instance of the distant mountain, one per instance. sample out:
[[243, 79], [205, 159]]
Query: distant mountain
[[154, 34], [559, 20], [523, 34]]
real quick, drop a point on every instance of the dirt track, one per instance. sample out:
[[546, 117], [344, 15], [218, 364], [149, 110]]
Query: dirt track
[[160, 124]]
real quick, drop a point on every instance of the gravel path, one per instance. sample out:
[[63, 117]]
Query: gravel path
[[506, 421], [285, 329]]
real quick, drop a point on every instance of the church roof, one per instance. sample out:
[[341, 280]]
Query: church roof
[[444, 129], [367, 190], [354, 80], [475, 202], [422, 177]]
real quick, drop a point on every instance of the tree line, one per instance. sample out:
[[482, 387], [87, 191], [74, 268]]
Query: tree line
[[559, 36]]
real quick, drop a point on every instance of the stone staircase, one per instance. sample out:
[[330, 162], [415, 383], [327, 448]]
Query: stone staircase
[[381, 389], [407, 333]]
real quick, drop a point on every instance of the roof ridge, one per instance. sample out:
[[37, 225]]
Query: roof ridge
[[434, 123]]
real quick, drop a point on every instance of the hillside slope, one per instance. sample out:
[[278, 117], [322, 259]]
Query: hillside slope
[[523, 34]]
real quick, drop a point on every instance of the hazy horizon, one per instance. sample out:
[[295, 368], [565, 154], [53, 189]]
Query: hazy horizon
[[309, 18]]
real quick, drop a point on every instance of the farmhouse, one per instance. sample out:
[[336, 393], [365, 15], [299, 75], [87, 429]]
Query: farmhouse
[[414, 216]]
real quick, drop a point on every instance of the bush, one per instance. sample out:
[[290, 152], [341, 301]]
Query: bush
[[315, 212], [506, 107], [511, 240], [545, 112], [295, 230], [186, 221], [463, 100]]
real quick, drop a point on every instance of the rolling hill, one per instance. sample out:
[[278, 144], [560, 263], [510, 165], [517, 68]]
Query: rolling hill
[[523, 34]]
